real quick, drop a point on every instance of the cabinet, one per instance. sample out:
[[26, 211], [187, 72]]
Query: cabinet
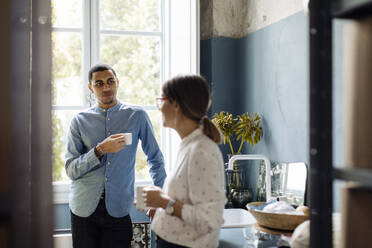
[[322, 172]]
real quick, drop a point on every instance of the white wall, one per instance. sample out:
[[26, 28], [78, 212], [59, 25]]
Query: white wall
[[237, 18]]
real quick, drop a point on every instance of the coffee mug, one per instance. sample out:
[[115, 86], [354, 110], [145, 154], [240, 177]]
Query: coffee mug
[[139, 198], [128, 138]]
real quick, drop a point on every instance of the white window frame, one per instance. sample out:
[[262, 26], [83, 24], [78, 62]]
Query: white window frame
[[169, 139]]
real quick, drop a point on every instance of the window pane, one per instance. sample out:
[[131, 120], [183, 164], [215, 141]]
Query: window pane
[[67, 13], [61, 123], [137, 63], [142, 168], [66, 69], [156, 120], [139, 15]]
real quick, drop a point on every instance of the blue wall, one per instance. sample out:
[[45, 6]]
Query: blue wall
[[265, 72], [268, 72]]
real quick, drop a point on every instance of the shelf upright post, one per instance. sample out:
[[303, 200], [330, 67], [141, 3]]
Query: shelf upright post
[[320, 32]]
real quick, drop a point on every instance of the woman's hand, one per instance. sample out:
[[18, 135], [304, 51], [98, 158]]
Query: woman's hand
[[154, 197], [151, 212]]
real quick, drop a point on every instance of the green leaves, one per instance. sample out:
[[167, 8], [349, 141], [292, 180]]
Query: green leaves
[[244, 127]]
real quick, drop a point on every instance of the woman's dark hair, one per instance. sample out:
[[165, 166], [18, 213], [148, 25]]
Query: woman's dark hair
[[99, 67], [192, 94]]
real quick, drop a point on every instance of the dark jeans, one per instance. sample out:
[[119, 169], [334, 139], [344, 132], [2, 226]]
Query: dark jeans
[[100, 230], [161, 243]]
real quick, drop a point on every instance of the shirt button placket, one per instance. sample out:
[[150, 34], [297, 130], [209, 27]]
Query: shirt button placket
[[108, 124]]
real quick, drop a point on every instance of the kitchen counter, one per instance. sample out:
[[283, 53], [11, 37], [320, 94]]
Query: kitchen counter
[[234, 238], [237, 222]]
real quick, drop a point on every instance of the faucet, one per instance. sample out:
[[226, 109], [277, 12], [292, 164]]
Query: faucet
[[255, 157]]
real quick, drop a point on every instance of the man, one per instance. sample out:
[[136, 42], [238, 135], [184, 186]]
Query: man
[[101, 165]]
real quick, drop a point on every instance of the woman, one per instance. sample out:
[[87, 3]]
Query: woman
[[189, 208]]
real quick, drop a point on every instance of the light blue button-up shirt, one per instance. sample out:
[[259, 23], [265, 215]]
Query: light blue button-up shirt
[[116, 171]]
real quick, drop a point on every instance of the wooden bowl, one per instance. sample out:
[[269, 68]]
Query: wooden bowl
[[275, 220]]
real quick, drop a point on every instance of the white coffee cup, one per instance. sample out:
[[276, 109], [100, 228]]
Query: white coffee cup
[[139, 198], [128, 138]]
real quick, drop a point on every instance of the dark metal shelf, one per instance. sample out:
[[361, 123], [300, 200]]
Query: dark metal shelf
[[5, 207], [351, 8], [361, 176], [322, 171]]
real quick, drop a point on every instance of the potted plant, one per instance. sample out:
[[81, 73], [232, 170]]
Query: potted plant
[[243, 128]]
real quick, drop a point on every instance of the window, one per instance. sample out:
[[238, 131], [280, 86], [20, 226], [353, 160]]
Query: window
[[146, 42]]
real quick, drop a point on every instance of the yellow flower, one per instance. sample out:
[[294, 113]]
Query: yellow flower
[[245, 128]]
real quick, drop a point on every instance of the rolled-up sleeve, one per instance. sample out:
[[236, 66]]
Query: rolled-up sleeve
[[78, 163], [206, 192]]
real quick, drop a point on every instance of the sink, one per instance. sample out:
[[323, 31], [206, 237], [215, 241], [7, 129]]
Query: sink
[[237, 217]]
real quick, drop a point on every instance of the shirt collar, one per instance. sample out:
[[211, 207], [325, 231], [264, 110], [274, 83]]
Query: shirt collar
[[191, 136], [112, 109]]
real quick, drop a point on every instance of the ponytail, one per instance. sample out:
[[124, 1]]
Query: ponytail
[[192, 94], [210, 129]]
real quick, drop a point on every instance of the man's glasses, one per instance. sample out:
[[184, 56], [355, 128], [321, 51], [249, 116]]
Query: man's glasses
[[100, 84], [160, 101]]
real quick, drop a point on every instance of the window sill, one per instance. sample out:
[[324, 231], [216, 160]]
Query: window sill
[[61, 190]]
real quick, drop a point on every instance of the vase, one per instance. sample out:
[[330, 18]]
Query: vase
[[240, 197], [233, 180], [229, 185], [233, 183]]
